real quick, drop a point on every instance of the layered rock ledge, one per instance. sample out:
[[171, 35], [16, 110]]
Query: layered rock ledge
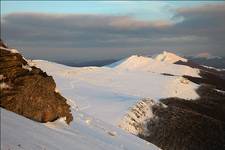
[[28, 91]]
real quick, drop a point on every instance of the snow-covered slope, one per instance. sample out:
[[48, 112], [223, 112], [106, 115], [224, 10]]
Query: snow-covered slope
[[108, 92], [102, 98], [84, 133], [166, 57], [157, 65]]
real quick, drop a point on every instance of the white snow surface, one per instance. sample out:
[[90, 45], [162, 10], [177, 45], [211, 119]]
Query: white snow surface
[[27, 67], [99, 98], [3, 85], [147, 64], [209, 67], [19, 133], [1, 77], [11, 50], [169, 57], [108, 92]]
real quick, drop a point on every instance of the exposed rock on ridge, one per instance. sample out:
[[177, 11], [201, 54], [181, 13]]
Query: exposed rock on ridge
[[29, 91], [134, 121]]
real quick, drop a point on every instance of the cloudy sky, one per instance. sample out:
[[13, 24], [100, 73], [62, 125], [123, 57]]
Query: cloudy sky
[[101, 30]]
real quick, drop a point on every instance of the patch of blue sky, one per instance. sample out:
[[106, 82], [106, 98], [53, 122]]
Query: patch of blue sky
[[144, 10]]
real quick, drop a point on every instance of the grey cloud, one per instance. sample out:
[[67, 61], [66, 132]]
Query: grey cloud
[[78, 31], [206, 22], [201, 29], [203, 20]]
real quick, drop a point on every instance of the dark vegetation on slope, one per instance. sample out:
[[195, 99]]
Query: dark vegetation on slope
[[167, 74], [218, 62], [211, 103], [191, 124], [208, 78], [212, 71], [208, 75], [29, 91]]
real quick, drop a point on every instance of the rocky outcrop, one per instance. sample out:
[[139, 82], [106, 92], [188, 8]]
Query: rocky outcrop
[[28, 91], [135, 121]]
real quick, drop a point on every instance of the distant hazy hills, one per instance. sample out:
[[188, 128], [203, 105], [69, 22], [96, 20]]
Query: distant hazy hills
[[217, 62]]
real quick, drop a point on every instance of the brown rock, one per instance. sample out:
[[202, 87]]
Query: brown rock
[[2, 44], [29, 92]]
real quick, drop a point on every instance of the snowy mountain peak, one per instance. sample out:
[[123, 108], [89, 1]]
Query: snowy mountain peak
[[162, 63], [137, 60], [132, 62], [169, 57]]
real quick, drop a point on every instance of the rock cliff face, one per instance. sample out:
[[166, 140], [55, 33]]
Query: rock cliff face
[[135, 121], [29, 91]]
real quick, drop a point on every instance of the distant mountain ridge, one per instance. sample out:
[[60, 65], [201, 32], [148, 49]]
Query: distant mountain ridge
[[97, 63], [217, 62]]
